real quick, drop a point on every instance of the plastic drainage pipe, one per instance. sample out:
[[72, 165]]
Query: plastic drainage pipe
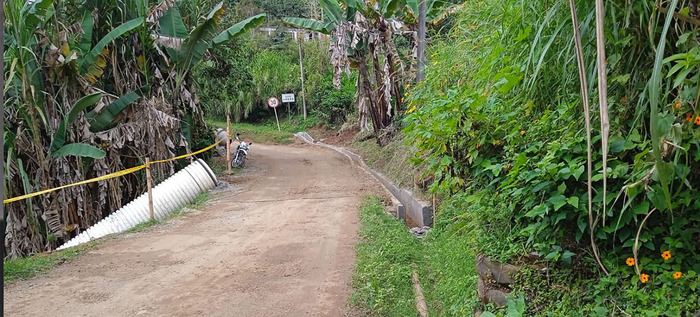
[[177, 191]]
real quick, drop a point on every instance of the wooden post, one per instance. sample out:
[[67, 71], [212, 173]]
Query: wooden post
[[278, 120], [150, 192], [301, 67], [228, 144]]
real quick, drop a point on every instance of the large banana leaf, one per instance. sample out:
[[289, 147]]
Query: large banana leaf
[[107, 117], [309, 24], [115, 33], [413, 5], [59, 137], [198, 41], [238, 29], [87, 25], [352, 7], [171, 25], [388, 7], [333, 10], [34, 12], [79, 149]]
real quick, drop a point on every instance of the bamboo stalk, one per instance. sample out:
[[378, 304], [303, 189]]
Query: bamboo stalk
[[421, 305], [587, 113]]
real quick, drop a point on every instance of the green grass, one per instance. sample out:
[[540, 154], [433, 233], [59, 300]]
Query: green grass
[[267, 132], [385, 255], [23, 268], [448, 274]]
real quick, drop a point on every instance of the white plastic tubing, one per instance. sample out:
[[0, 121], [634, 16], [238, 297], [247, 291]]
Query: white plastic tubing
[[176, 191]]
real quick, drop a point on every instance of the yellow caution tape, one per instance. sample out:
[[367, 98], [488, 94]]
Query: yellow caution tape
[[108, 176]]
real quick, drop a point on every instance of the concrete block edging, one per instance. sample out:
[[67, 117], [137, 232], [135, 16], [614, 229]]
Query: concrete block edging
[[419, 211]]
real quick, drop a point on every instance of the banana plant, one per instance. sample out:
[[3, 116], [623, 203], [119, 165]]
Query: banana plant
[[58, 148], [361, 28], [187, 49]]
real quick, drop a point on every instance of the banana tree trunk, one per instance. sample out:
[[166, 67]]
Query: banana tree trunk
[[380, 110], [366, 91]]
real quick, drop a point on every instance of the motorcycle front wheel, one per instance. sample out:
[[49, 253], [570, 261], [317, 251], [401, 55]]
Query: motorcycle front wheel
[[238, 161]]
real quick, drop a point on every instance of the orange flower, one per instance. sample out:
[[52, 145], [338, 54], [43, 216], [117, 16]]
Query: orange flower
[[697, 120], [624, 99], [644, 278], [689, 117], [677, 105], [630, 261], [666, 255], [677, 275], [522, 132]]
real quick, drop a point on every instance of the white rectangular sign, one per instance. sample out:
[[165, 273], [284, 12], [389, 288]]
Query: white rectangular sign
[[287, 97]]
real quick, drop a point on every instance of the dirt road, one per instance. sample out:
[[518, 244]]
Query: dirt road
[[279, 242]]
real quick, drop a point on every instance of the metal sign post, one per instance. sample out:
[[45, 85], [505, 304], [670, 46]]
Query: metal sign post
[[288, 98], [273, 103]]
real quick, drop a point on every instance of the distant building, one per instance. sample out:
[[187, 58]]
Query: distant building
[[296, 33]]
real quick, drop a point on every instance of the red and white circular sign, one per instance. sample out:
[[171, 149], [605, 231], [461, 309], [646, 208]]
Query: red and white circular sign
[[273, 102]]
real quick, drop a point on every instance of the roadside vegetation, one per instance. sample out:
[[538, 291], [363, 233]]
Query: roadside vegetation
[[499, 127]]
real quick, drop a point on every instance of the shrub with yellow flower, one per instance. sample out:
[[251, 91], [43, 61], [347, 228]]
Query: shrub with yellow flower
[[644, 278], [697, 120], [677, 105], [666, 255], [409, 111], [630, 261], [689, 117], [677, 275]]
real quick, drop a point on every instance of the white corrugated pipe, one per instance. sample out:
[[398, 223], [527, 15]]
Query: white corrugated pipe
[[176, 191]]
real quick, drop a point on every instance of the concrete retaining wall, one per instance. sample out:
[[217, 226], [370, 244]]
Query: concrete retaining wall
[[419, 211]]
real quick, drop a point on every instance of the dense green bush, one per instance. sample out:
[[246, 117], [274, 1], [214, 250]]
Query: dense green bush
[[333, 105], [240, 77], [225, 81], [499, 122]]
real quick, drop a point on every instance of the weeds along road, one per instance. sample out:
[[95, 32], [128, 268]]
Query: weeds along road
[[279, 242]]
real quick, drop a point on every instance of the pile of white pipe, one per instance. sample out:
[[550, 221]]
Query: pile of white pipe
[[175, 192]]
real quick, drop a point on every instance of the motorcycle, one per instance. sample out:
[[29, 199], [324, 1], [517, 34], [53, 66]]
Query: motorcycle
[[238, 159]]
